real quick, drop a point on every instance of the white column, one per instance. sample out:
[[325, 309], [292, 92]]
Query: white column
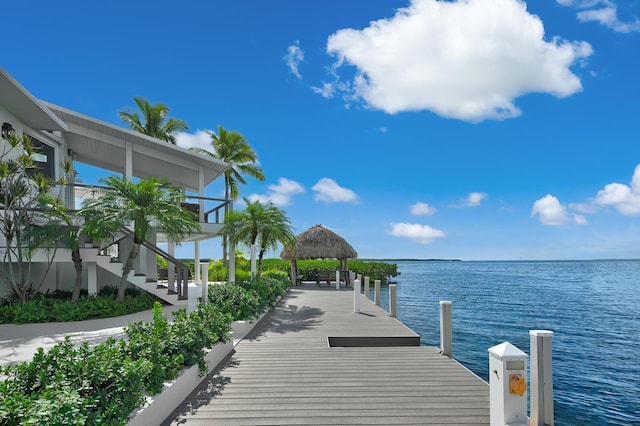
[[204, 273], [201, 193], [196, 261], [337, 280], [541, 378], [356, 296], [445, 328], [92, 278], [376, 292]]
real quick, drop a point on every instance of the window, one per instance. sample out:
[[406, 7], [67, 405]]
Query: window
[[43, 158]]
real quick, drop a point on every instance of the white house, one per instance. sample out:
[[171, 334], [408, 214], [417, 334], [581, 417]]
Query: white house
[[62, 134]]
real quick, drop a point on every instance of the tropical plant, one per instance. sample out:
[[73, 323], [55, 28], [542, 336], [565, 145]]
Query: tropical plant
[[20, 193], [151, 120], [232, 148], [151, 202], [264, 222]]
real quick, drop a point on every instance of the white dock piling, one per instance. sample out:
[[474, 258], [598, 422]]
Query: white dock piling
[[376, 292], [392, 300], [541, 378], [356, 296], [446, 340]]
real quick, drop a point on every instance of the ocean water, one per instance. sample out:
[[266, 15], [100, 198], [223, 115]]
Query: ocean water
[[593, 308]]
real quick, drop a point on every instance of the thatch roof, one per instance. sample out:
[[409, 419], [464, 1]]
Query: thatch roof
[[319, 242]]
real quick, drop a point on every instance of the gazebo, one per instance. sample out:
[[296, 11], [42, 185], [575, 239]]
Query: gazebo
[[319, 242]]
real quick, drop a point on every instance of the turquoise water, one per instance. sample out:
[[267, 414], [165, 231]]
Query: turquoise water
[[591, 306]]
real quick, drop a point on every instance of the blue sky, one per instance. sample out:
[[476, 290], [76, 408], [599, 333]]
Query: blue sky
[[477, 129]]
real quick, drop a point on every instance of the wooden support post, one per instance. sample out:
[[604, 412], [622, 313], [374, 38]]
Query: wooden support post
[[356, 296], [376, 292]]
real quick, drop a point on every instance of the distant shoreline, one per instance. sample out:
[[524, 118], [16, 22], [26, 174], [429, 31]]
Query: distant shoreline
[[412, 260]]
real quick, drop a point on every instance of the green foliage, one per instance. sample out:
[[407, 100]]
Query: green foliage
[[58, 307], [235, 300], [71, 385], [98, 385], [268, 289], [275, 273], [277, 264], [170, 346]]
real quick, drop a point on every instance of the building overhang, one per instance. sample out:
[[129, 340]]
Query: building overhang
[[19, 102], [104, 145]]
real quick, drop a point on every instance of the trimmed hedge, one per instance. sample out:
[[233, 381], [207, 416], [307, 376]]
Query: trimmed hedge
[[57, 307]]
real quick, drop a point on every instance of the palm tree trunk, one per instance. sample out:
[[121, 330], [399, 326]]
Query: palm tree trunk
[[77, 264], [128, 267]]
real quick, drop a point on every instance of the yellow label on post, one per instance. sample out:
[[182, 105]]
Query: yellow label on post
[[517, 384]]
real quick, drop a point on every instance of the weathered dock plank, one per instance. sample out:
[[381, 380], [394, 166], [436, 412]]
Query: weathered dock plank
[[284, 372]]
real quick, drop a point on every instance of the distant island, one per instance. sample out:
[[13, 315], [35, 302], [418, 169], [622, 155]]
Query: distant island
[[413, 260]]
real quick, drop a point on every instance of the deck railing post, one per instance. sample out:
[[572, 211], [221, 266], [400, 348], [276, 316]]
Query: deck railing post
[[392, 300], [445, 329], [376, 292], [541, 378], [356, 296], [337, 280], [366, 287]]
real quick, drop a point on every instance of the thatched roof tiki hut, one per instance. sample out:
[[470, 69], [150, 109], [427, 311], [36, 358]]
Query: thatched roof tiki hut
[[319, 242]]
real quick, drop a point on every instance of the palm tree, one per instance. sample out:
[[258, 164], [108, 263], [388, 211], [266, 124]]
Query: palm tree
[[232, 148], [154, 121], [264, 222], [63, 227], [150, 202], [277, 230]]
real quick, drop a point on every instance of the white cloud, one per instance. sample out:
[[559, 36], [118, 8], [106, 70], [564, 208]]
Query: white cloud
[[549, 211], [199, 139], [294, 57], [604, 12], [473, 200], [623, 197], [608, 16], [423, 234], [327, 90], [422, 209], [464, 59], [329, 191], [579, 219], [279, 194]]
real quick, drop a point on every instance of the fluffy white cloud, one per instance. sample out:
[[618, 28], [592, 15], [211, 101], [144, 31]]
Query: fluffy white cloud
[[604, 12], [199, 139], [623, 197], [423, 234], [279, 194], [464, 59], [329, 191], [293, 58], [422, 209], [549, 211]]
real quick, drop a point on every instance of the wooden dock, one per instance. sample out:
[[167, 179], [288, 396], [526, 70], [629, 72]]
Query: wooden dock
[[284, 372]]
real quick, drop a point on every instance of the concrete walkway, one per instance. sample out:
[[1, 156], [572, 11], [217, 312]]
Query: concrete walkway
[[20, 342]]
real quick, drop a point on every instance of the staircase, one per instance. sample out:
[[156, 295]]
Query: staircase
[[175, 292]]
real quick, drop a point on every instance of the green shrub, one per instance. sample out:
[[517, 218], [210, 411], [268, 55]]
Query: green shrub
[[235, 300], [57, 307], [275, 273]]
